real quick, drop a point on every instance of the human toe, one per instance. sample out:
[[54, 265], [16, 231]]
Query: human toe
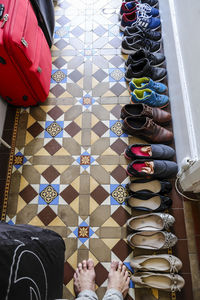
[[114, 265], [84, 263], [90, 264], [80, 267]]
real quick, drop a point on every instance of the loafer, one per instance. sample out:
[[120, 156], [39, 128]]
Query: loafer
[[152, 169], [147, 129], [146, 33], [157, 263], [149, 98], [155, 59], [160, 281], [151, 222], [147, 83], [158, 115], [130, 44], [144, 69], [152, 240], [149, 202], [150, 151], [149, 186]]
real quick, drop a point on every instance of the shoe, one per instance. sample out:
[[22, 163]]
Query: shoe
[[128, 7], [147, 83], [160, 281], [154, 151], [155, 59], [158, 115], [141, 19], [152, 240], [151, 222], [146, 33], [147, 129], [149, 186], [144, 69], [158, 263], [152, 169], [130, 44], [149, 202], [152, 3], [149, 98]]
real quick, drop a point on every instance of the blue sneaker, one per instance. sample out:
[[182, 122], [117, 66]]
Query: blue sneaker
[[128, 7], [149, 98], [141, 19], [147, 83]]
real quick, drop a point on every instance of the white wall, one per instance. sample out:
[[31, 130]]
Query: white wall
[[3, 107]]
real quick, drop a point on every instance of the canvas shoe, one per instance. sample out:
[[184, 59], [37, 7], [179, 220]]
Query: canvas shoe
[[140, 19], [128, 7], [144, 69], [155, 59], [133, 43], [147, 33], [149, 98], [147, 83], [151, 151], [152, 3]]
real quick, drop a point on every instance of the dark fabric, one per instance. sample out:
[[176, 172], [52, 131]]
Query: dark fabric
[[44, 10], [31, 263]]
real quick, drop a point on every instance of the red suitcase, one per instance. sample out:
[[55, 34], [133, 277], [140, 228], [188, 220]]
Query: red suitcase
[[25, 57]]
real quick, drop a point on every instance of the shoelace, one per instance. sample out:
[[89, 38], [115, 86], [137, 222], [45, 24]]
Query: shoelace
[[147, 44], [144, 7], [143, 19]]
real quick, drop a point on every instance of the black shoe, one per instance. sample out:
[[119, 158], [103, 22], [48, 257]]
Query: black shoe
[[143, 69], [149, 186], [130, 44], [146, 33], [155, 59]]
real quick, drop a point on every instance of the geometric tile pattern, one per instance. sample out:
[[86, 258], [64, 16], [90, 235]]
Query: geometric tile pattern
[[68, 169]]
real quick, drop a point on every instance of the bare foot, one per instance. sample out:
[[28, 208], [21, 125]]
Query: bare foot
[[84, 277], [118, 278]]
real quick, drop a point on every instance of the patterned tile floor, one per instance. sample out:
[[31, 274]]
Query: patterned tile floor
[[68, 170]]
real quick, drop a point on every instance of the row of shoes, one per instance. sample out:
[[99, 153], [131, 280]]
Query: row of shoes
[[151, 162]]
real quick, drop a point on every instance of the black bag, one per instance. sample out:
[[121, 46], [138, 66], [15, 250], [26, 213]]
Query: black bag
[[44, 10], [31, 263]]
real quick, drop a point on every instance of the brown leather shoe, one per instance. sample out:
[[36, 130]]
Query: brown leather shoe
[[147, 129], [142, 110]]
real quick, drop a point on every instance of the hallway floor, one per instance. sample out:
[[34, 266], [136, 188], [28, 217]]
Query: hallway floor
[[67, 169]]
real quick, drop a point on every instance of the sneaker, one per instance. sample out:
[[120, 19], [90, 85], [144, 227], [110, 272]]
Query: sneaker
[[149, 98], [141, 19], [152, 3], [146, 33], [143, 69], [130, 44], [155, 59], [128, 7], [147, 83]]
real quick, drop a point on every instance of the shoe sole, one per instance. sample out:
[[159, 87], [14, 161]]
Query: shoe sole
[[126, 67], [158, 80], [125, 155], [122, 28], [132, 102], [126, 51]]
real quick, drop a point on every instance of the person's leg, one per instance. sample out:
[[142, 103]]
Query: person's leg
[[118, 282], [84, 281]]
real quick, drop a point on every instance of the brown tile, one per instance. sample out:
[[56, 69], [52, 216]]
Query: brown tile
[[84, 184], [69, 194], [110, 232], [118, 146], [57, 90], [119, 174], [186, 293], [28, 193], [67, 215], [61, 44], [50, 174], [99, 250], [7, 137], [55, 112], [38, 113], [21, 130], [116, 111], [101, 292], [100, 174], [121, 216], [117, 89], [100, 128], [86, 137], [195, 271], [122, 250], [100, 215], [2, 189], [70, 174], [27, 214], [99, 194], [4, 158], [72, 129], [196, 219], [52, 147], [75, 76], [179, 225], [181, 251], [35, 129], [116, 60], [10, 117], [177, 200], [100, 75], [101, 274], [59, 62], [68, 273], [84, 203], [47, 215]]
